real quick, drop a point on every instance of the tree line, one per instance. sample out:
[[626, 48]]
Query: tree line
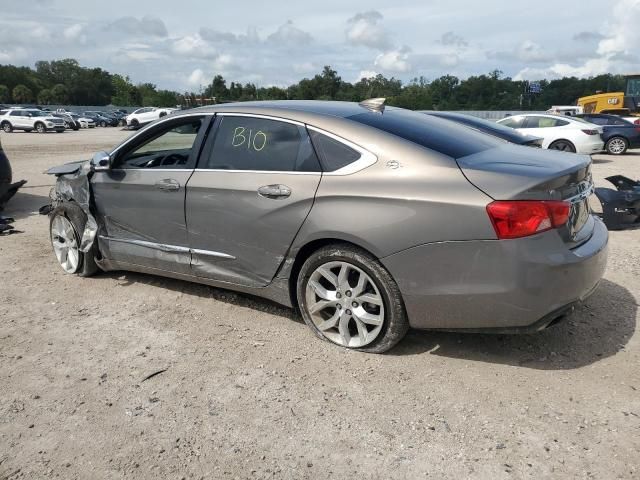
[[66, 82]]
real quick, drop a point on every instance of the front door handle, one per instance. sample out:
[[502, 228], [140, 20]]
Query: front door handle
[[274, 191], [168, 185]]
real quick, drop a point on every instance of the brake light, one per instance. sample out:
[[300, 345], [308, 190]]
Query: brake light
[[591, 132], [521, 218]]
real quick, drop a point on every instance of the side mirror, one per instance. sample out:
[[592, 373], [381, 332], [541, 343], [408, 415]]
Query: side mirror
[[101, 162]]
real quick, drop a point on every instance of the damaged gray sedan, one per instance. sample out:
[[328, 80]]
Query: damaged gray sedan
[[370, 220]]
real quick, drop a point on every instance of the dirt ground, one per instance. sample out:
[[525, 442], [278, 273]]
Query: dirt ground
[[247, 391]]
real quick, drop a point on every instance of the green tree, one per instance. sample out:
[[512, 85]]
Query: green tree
[[22, 94], [59, 94], [45, 97], [5, 94]]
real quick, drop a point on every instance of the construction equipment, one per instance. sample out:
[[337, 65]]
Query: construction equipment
[[617, 103]]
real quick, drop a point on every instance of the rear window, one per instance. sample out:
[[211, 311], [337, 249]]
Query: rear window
[[442, 136]]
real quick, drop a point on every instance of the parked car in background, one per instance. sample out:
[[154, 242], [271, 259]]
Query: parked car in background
[[489, 127], [85, 122], [368, 222], [567, 110], [69, 121], [618, 134], [102, 119], [143, 116], [120, 115], [30, 119], [568, 134]]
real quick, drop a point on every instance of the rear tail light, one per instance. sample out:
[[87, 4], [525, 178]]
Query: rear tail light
[[521, 218], [637, 122], [591, 132]]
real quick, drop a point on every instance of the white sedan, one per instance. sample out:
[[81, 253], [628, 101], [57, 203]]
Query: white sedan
[[145, 115], [568, 134]]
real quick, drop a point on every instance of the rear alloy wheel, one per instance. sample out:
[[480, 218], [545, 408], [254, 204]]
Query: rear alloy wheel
[[348, 298], [7, 128], [563, 146], [617, 145], [40, 128], [103, 123]]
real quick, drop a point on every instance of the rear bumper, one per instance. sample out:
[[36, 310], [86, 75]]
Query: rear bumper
[[590, 146], [505, 286]]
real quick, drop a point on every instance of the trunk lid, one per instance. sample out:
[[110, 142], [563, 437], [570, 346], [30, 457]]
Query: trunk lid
[[511, 172]]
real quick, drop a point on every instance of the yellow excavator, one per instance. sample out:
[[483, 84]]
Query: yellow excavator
[[617, 103]]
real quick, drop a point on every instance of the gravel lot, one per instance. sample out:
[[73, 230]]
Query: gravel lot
[[249, 392]]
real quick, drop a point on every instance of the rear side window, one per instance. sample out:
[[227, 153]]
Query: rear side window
[[17, 113], [2, 112], [436, 134], [333, 154], [252, 143], [544, 122]]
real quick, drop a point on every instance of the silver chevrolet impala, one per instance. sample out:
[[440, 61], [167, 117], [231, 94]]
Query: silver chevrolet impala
[[369, 220]]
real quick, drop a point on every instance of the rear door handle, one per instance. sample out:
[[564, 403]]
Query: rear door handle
[[168, 185], [274, 191]]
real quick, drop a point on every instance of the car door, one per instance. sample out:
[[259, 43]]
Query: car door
[[19, 119], [140, 200], [253, 188]]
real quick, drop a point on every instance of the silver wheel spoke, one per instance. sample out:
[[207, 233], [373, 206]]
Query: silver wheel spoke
[[65, 245], [368, 318], [360, 286], [321, 291], [369, 298], [343, 277], [331, 322], [329, 275], [362, 330], [343, 328], [321, 305]]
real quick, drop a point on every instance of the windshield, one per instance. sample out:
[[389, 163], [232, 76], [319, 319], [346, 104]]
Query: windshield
[[633, 87]]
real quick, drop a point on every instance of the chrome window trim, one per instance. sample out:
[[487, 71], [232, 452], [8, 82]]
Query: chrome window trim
[[150, 170], [155, 123], [168, 248], [258, 115], [366, 157], [272, 172]]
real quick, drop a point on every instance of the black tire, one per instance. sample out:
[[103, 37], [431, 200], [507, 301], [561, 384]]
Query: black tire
[[135, 123], [86, 265], [6, 127], [163, 114], [563, 146], [103, 124], [617, 146], [40, 128], [395, 323]]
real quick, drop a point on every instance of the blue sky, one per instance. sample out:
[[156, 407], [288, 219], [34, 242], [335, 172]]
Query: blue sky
[[182, 45]]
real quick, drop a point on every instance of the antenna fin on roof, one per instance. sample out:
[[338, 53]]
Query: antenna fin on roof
[[373, 104]]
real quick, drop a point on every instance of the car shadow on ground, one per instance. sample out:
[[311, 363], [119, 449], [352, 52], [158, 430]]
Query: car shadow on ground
[[598, 329], [24, 204], [601, 160], [244, 300]]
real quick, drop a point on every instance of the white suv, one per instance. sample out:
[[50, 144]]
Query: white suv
[[28, 120], [145, 115]]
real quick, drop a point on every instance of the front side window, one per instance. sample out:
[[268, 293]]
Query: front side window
[[169, 148], [252, 143]]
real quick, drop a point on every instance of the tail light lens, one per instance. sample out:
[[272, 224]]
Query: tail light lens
[[591, 132], [521, 218]]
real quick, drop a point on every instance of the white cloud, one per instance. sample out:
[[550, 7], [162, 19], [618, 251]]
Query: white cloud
[[451, 39], [616, 49], [145, 26], [197, 78], [305, 67], [366, 74], [288, 34], [365, 29], [394, 60], [193, 46]]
